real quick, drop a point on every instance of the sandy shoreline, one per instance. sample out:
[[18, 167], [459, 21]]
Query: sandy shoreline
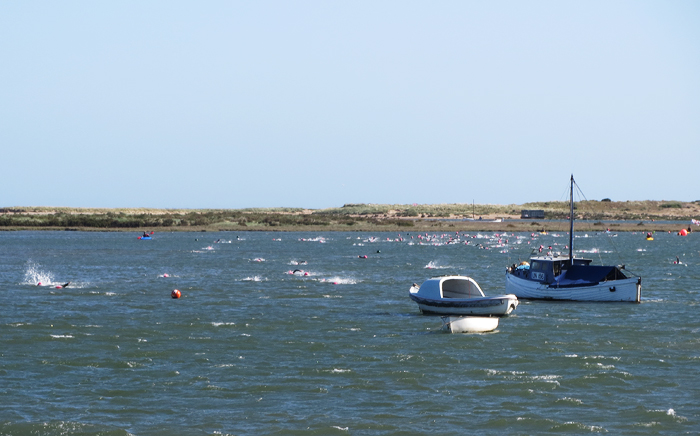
[[591, 216], [433, 226]]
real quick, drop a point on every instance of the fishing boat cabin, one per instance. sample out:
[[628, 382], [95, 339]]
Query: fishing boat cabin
[[561, 271]]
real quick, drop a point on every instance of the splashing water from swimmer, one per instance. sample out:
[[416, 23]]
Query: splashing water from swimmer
[[35, 275]]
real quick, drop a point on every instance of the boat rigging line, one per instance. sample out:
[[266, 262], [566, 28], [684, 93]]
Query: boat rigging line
[[609, 237]]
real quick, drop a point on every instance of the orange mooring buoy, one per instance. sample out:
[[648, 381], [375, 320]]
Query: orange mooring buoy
[[175, 294]]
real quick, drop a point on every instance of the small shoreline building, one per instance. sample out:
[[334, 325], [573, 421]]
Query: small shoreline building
[[532, 214]]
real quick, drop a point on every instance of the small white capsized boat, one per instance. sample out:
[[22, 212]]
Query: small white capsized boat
[[459, 295], [469, 324]]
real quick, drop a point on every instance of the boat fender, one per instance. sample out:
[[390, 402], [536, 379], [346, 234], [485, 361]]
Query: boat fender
[[612, 289]]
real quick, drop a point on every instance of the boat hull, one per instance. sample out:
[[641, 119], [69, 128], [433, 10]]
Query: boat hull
[[496, 306], [469, 324], [625, 290]]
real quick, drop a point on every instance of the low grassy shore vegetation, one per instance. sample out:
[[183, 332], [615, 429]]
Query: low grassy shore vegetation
[[590, 215]]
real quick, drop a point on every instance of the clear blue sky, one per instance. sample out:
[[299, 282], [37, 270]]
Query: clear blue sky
[[233, 104]]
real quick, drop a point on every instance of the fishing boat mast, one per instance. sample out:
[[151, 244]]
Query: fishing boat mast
[[571, 223]]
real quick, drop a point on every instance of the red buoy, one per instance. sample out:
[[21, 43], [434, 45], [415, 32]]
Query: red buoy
[[175, 294]]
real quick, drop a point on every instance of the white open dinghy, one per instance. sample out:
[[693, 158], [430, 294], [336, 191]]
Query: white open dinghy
[[470, 324]]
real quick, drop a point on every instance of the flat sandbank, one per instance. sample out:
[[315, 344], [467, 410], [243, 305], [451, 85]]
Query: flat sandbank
[[591, 216], [419, 226]]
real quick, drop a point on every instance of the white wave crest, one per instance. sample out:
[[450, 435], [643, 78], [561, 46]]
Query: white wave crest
[[434, 265], [340, 281]]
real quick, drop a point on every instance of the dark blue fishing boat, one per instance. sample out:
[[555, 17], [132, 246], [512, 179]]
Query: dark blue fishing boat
[[561, 277]]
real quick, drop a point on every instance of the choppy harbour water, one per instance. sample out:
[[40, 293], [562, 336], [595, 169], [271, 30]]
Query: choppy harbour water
[[252, 349]]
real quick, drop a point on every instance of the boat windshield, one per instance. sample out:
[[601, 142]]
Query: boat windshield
[[557, 268], [460, 289], [537, 265]]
